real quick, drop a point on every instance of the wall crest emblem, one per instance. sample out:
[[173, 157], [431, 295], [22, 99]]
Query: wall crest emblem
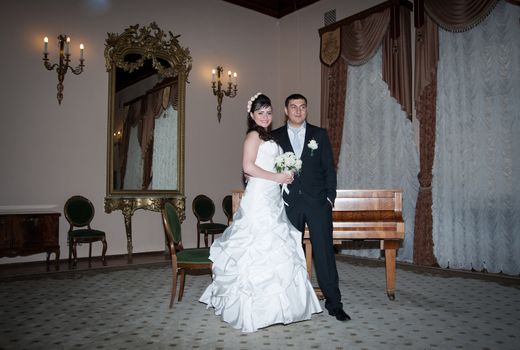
[[330, 47]]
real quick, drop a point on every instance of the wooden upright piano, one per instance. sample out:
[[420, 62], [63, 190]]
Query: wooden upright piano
[[374, 215]]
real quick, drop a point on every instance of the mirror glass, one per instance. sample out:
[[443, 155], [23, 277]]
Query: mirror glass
[[147, 78]]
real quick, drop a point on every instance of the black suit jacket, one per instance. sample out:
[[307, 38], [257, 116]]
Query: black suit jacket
[[317, 179]]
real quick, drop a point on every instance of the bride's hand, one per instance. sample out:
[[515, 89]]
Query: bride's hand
[[286, 178]]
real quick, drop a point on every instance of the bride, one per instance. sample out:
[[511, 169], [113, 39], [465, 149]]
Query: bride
[[259, 274]]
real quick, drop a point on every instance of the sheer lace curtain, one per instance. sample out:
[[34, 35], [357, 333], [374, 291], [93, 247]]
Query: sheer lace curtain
[[164, 163], [378, 148], [134, 165], [476, 177]]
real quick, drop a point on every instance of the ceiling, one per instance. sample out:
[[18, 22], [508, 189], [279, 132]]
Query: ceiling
[[274, 8]]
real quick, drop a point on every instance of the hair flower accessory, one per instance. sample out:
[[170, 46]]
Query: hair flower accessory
[[251, 100], [313, 145]]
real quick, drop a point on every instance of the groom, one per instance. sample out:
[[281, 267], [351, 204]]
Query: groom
[[312, 194]]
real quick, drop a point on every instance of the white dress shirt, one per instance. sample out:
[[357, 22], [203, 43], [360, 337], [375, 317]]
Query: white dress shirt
[[301, 138]]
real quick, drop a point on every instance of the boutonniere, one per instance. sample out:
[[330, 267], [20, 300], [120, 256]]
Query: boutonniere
[[313, 145]]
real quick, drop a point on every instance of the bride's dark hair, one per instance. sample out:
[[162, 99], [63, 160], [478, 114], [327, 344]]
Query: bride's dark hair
[[259, 102]]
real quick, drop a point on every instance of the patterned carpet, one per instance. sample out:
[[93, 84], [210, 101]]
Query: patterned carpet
[[128, 309]]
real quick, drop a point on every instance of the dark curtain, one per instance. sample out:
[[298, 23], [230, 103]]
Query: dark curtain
[[426, 58], [452, 15], [132, 117], [153, 103]]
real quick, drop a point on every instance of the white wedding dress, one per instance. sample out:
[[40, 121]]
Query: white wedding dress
[[259, 271]]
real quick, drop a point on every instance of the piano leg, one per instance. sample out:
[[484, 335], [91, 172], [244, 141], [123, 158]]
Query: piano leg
[[390, 248], [308, 259], [308, 256]]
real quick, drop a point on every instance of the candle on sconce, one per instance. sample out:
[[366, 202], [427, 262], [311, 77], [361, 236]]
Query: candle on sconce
[[222, 89], [64, 59]]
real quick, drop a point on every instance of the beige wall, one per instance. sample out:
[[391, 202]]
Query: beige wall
[[300, 45], [50, 152]]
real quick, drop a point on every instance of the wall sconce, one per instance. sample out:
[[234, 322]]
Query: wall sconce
[[230, 91], [64, 59], [118, 135]]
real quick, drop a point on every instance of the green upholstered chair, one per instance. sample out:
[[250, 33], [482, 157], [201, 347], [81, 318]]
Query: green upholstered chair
[[193, 259], [227, 207], [79, 212], [204, 209]]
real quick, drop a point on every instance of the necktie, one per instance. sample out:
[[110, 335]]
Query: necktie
[[297, 145]]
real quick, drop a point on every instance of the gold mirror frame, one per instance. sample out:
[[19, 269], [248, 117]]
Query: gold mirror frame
[[168, 60]]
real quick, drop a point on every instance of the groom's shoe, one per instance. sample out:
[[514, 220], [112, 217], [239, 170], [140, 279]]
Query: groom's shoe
[[340, 315]]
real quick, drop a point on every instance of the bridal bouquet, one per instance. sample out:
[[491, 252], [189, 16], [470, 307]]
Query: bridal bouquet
[[287, 162]]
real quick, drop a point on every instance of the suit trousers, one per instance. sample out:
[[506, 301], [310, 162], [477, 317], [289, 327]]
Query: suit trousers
[[319, 221]]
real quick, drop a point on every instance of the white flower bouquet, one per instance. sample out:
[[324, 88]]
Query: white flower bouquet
[[287, 162]]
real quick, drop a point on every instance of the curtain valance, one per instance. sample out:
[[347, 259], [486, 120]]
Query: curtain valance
[[453, 15]]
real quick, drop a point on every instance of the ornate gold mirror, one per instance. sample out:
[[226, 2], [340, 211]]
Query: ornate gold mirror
[[147, 71]]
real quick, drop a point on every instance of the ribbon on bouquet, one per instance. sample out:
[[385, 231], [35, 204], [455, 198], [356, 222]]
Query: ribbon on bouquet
[[286, 190]]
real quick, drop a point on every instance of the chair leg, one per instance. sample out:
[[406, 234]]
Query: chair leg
[[89, 254], [181, 287], [174, 286], [70, 254], [74, 254], [103, 253], [198, 239], [206, 240]]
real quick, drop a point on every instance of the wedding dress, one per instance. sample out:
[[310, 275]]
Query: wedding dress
[[259, 271]]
